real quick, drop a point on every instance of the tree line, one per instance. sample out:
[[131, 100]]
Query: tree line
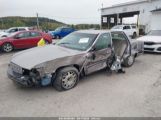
[[45, 23]]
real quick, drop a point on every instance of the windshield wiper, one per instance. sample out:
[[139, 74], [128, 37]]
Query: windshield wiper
[[63, 43]]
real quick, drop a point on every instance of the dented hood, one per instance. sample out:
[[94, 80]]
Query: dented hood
[[28, 59]]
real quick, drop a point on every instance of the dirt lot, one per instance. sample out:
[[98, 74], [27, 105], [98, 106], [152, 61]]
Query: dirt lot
[[136, 93]]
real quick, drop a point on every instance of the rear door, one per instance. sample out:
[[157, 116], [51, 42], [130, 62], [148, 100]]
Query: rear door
[[101, 53], [34, 38], [121, 44]]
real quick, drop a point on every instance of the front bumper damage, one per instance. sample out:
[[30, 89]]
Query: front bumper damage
[[32, 78], [20, 79]]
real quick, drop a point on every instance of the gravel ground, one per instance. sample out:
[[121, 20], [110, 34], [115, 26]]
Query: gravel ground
[[134, 94]]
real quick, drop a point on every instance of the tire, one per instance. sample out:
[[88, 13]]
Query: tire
[[66, 79], [7, 47], [58, 37], [46, 42], [134, 35], [129, 61]]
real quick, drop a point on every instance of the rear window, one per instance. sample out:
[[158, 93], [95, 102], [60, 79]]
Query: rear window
[[134, 27], [22, 29], [35, 34]]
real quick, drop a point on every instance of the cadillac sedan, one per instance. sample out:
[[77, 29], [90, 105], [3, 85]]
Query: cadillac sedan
[[79, 54]]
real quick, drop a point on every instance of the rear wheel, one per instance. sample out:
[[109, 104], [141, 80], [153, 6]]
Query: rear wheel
[[134, 35], [7, 47], [66, 79], [46, 42], [129, 61]]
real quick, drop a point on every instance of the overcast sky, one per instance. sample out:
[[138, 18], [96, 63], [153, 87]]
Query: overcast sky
[[68, 11]]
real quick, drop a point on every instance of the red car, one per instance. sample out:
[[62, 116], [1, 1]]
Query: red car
[[23, 39]]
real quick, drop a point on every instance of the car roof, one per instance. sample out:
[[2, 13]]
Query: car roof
[[27, 31], [93, 31]]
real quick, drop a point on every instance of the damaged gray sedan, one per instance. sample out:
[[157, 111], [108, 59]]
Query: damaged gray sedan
[[79, 54]]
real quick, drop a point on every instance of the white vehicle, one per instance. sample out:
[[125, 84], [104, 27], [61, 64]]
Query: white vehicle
[[12, 30], [152, 41], [130, 30]]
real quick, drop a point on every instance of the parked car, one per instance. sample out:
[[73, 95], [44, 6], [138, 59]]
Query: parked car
[[23, 39], [152, 41], [13, 30], [79, 54], [130, 30], [61, 32]]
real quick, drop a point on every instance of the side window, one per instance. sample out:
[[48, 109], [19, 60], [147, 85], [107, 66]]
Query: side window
[[66, 30], [35, 34], [22, 29], [118, 36], [103, 41], [126, 27], [23, 35], [13, 30], [134, 27]]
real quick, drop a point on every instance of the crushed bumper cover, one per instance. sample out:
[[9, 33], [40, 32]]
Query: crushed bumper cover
[[20, 79]]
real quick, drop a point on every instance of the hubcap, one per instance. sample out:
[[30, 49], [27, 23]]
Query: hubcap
[[7, 47], [69, 80], [130, 60]]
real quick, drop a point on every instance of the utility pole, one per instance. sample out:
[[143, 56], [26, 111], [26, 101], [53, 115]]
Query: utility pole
[[37, 21], [101, 16]]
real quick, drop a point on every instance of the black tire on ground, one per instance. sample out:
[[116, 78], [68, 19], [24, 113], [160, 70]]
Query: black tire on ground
[[7, 47], [66, 79], [134, 35], [46, 42], [129, 61], [58, 37]]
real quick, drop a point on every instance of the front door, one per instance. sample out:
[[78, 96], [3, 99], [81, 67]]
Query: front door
[[21, 40], [102, 50]]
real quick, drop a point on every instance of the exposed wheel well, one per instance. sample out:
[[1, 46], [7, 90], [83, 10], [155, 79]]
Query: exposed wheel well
[[76, 66]]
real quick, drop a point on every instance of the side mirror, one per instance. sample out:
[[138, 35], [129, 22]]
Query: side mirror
[[91, 56]]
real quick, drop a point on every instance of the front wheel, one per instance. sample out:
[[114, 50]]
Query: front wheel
[[66, 79], [7, 47], [129, 61], [134, 35], [46, 42]]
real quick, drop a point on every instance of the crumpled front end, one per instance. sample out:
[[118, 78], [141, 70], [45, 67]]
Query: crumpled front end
[[28, 78]]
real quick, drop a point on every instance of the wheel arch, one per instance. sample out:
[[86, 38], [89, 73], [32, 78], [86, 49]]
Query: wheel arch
[[73, 65], [9, 43]]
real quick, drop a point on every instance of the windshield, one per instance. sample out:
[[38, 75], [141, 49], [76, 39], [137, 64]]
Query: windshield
[[7, 31], [11, 34], [58, 29], [78, 41], [118, 27], [154, 33]]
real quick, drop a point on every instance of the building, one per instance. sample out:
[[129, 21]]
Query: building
[[148, 11]]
